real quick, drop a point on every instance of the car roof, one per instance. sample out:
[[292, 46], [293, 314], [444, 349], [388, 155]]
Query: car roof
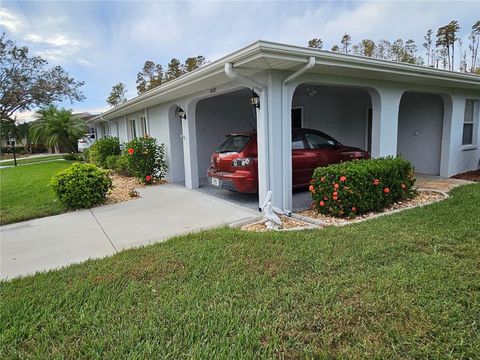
[[254, 133]]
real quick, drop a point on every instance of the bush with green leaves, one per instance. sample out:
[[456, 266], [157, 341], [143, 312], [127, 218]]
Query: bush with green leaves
[[73, 157], [356, 187], [111, 161], [103, 148], [86, 155], [81, 185], [146, 159], [122, 166]]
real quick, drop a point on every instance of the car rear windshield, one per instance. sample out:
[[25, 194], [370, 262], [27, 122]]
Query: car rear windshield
[[233, 143]]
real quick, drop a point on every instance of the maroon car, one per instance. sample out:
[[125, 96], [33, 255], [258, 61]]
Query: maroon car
[[234, 164]]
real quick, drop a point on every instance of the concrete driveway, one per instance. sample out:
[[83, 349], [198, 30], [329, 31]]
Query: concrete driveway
[[161, 212]]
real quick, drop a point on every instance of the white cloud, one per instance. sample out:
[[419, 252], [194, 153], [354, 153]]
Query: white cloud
[[10, 21]]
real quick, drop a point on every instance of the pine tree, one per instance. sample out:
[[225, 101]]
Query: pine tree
[[315, 43], [346, 42]]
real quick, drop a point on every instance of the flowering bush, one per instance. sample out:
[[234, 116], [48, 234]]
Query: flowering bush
[[81, 185], [357, 187], [146, 159]]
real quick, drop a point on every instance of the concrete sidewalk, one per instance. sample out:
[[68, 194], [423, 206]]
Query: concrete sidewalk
[[161, 212]]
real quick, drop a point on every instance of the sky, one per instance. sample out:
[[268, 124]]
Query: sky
[[106, 42]]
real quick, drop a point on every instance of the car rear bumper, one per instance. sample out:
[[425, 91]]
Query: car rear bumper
[[239, 181]]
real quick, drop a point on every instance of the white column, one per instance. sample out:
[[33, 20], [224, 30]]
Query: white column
[[190, 147], [453, 117], [385, 106], [262, 146]]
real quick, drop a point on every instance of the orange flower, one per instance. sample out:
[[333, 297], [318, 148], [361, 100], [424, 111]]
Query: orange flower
[[343, 178], [311, 188], [376, 182], [354, 208], [335, 186], [148, 178], [131, 151], [335, 193], [335, 198], [321, 203], [386, 190]]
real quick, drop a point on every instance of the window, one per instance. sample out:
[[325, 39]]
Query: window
[[133, 128], [468, 137], [319, 141], [297, 142], [106, 130], [297, 117], [143, 126], [233, 143]]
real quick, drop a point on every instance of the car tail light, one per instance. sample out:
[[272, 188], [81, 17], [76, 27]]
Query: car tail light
[[355, 154], [242, 162]]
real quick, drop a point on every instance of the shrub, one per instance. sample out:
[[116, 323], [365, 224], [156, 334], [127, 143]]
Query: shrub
[[122, 166], [86, 155], [146, 159], [81, 185], [103, 148], [111, 161], [357, 187]]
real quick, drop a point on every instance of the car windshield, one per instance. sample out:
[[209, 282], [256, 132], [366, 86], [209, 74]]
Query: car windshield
[[233, 143]]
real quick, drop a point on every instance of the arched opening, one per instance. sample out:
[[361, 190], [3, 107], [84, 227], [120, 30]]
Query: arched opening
[[343, 113], [420, 125], [216, 117]]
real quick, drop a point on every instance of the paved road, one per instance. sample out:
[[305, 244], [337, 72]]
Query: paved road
[[162, 211]]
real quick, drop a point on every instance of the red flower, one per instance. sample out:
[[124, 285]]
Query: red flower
[[335, 198], [343, 178], [321, 203], [148, 178], [403, 186], [131, 151], [354, 208], [311, 188], [386, 190], [335, 193], [376, 182], [335, 186], [325, 198]]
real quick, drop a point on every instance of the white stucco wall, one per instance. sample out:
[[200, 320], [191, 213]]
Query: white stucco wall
[[420, 124], [342, 116], [216, 117]]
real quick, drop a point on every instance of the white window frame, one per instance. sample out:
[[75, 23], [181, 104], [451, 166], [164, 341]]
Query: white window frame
[[473, 122], [106, 130], [132, 126], [143, 125]]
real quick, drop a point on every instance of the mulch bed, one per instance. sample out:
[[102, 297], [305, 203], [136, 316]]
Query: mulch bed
[[424, 197], [469, 175], [288, 224], [124, 188]]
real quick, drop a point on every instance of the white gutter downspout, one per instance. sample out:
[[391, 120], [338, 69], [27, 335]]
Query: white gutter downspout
[[287, 135], [264, 126]]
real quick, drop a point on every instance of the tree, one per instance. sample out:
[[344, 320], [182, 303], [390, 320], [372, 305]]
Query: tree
[[335, 48], [117, 95], [26, 82], [453, 29], [382, 50], [18, 131], [346, 42], [193, 63], [149, 77], [367, 47], [473, 47], [57, 127], [315, 43], [428, 45], [443, 42], [174, 69]]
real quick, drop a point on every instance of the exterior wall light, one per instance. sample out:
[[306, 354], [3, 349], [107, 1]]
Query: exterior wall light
[[181, 113], [255, 99]]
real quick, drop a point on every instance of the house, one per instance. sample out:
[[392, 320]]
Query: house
[[428, 116]]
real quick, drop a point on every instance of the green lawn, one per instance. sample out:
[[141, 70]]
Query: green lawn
[[32, 160], [25, 193], [400, 286]]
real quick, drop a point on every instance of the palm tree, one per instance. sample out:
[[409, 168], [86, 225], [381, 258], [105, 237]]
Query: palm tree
[[56, 127]]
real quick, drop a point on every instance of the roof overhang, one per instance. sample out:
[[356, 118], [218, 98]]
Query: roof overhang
[[263, 55]]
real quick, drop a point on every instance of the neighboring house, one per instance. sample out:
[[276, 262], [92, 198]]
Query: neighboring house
[[428, 116]]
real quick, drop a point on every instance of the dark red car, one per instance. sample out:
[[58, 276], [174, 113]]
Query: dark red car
[[234, 163]]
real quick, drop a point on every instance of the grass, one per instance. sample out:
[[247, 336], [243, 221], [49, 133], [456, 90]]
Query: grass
[[32, 160], [25, 192], [400, 286]]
